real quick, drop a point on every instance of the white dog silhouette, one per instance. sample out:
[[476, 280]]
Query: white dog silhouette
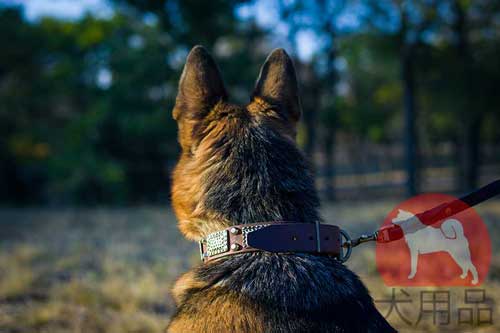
[[422, 239]]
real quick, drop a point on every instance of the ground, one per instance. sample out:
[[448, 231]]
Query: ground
[[110, 270]]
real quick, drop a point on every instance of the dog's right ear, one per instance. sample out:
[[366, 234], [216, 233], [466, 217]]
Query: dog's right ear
[[200, 88], [277, 85]]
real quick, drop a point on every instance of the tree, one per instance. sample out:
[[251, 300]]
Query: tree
[[87, 103], [414, 18], [320, 17], [462, 90], [471, 115]]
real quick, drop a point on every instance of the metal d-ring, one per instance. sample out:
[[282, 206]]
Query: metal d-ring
[[343, 256]]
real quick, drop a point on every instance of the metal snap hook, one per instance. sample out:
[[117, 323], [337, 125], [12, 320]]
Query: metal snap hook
[[347, 244]]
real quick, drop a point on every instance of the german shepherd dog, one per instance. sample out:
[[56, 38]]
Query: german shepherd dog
[[240, 164]]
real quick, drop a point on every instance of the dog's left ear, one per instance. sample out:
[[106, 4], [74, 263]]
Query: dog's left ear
[[200, 88], [277, 85]]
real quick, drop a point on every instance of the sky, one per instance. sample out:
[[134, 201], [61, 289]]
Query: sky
[[262, 10], [67, 9]]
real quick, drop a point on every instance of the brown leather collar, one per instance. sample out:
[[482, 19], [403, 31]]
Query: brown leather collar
[[283, 237]]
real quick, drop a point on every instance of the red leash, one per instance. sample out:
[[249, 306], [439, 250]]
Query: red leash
[[394, 232]]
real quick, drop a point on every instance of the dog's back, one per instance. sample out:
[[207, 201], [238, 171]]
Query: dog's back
[[275, 293], [240, 165]]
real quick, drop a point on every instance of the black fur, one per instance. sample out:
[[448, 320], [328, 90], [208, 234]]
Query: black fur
[[296, 292], [258, 175], [261, 176]]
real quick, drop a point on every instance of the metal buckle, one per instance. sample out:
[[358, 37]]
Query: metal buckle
[[202, 254], [344, 256]]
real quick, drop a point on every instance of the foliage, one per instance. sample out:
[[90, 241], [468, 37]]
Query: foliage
[[85, 104]]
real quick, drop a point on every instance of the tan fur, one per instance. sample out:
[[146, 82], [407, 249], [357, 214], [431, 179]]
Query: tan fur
[[195, 221], [186, 282], [197, 158], [204, 116], [221, 312]]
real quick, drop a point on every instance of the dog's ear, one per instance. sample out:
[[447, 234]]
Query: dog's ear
[[277, 86], [200, 88]]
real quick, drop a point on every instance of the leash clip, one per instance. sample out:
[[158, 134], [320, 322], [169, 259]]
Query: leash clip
[[364, 238], [349, 243]]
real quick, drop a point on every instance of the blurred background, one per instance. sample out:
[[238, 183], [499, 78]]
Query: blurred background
[[399, 98]]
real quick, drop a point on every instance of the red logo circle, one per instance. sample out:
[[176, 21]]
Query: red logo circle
[[452, 251]]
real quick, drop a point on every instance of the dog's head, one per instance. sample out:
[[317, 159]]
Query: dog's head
[[238, 163]]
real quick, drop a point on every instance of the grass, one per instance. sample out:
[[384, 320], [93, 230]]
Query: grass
[[110, 270]]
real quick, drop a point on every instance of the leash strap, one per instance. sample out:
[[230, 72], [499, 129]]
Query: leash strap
[[394, 232]]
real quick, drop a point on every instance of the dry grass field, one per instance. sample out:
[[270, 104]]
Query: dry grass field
[[110, 270]]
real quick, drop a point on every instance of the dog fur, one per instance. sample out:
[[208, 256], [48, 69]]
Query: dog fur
[[240, 164]]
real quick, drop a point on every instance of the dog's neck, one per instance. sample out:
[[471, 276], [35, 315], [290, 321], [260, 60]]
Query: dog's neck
[[257, 176]]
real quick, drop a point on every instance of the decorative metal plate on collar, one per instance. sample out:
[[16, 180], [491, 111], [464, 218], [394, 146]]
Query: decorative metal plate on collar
[[217, 243]]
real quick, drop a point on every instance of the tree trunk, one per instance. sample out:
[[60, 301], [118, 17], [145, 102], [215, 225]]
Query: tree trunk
[[470, 117], [331, 125], [310, 108], [470, 154], [330, 165], [410, 133]]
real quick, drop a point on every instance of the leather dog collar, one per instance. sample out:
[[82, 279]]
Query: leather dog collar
[[282, 237]]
